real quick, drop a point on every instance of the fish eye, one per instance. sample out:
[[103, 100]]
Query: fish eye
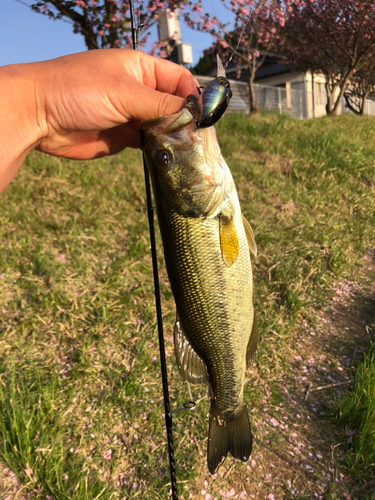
[[164, 157]]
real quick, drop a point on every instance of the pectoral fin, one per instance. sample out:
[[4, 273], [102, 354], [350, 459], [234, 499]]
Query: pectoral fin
[[252, 346], [250, 237], [190, 365], [228, 240]]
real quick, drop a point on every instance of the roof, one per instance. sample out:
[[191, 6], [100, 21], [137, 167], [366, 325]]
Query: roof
[[272, 65]]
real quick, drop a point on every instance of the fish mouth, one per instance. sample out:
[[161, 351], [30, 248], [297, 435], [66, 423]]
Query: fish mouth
[[168, 124]]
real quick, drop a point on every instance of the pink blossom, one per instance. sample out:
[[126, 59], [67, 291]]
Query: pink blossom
[[227, 494], [108, 455], [274, 422], [29, 470]]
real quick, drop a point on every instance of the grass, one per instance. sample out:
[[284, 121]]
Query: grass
[[354, 414], [29, 419], [81, 394]]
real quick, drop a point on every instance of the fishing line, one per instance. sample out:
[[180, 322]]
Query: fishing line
[[163, 363], [239, 40]]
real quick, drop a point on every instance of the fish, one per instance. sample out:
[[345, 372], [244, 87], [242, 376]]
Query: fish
[[207, 244]]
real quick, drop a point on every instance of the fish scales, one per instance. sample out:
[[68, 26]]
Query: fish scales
[[206, 246], [213, 320]]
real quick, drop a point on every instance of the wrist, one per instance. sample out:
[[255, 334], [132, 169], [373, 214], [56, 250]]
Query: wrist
[[22, 121]]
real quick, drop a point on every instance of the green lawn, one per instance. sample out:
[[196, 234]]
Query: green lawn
[[80, 393]]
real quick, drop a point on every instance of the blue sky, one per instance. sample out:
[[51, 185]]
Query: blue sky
[[28, 37]]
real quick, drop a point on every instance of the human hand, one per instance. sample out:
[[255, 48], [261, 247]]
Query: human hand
[[86, 95], [87, 105]]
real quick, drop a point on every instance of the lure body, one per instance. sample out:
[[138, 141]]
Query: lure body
[[215, 98]]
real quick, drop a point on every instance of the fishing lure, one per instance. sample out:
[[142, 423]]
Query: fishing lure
[[214, 98]]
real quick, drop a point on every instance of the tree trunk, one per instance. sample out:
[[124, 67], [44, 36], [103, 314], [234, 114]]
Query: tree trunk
[[357, 108], [111, 10], [329, 105], [253, 104], [342, 87], [354, 108], [363, 102], [252, 100], [333, 105]]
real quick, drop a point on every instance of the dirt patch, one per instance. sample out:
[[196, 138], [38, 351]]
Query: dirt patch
[[288, 208], [10, 489], [273, 162], [295, 452]]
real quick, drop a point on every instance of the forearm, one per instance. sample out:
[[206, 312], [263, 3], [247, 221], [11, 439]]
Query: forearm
[[21, 126]]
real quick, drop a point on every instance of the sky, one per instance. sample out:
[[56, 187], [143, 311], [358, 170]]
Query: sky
[[26, 36]]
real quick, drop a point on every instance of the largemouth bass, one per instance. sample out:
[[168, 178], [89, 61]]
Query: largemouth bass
[[206, 246]]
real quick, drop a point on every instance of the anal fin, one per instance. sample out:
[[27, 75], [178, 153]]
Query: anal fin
[[192, 368], [250, 237], [253, 344]]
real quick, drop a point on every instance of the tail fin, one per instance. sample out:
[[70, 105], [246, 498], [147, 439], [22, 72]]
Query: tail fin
[[234, 436]]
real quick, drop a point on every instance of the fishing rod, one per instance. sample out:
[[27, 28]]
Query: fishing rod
[[163, 363]]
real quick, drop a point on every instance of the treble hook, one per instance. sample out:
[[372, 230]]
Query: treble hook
[[189, 405]]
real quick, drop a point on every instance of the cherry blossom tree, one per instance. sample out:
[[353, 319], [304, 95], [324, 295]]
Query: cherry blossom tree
[[362, 84], [334, 37], [253, 31], [106, 23]]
